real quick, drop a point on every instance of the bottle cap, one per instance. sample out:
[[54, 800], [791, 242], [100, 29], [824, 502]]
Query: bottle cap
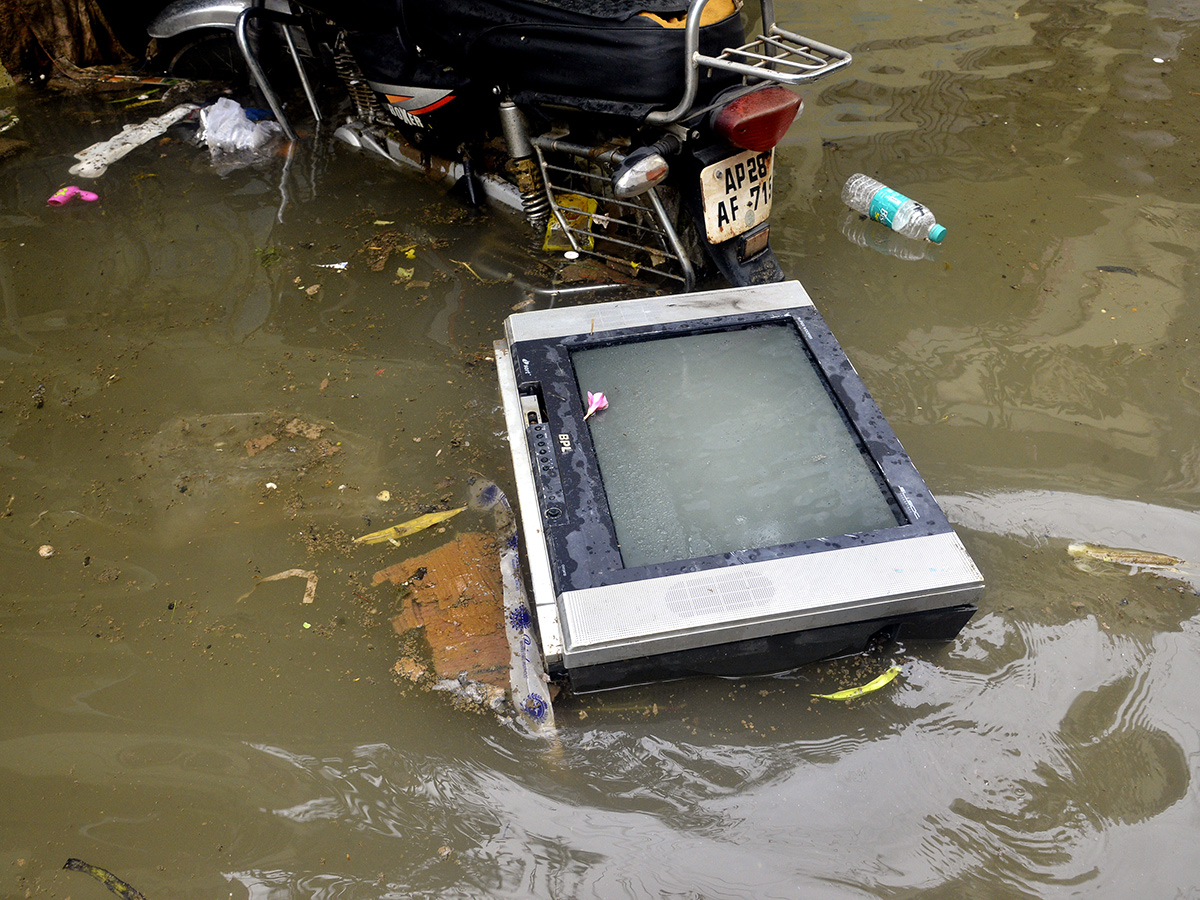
[[936, 233]]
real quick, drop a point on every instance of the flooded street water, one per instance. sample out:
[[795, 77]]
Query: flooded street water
[[203, 737]]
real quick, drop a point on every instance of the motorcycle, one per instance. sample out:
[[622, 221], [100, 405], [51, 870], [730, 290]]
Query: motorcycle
[[639, 133]]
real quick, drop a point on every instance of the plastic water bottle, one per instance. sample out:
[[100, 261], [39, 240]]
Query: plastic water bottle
[[865, 195]]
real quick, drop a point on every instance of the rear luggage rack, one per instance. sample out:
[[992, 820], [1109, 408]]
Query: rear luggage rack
[[777, 55], [633, 235]]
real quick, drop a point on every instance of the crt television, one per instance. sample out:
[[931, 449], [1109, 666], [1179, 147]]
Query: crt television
[[739, 506]]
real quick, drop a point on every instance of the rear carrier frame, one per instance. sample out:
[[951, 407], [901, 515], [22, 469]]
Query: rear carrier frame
[[636, 235], [776, 56]]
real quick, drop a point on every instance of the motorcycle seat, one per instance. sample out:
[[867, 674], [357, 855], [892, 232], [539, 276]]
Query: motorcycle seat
[[608, 50], [621, 9]]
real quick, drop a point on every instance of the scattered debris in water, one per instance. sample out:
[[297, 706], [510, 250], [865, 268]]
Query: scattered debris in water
[[1135, 559], [228, 129], [121, 888], [379, 247], [412, 526], [310, 590], [257, 445], [852, 693], [65, 195], [301, 428], [464, 625], [451, 596], [95, 160], [411, 669], [530, 687]]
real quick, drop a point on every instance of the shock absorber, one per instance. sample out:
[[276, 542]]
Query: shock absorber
[[355, 82], [523, 164]]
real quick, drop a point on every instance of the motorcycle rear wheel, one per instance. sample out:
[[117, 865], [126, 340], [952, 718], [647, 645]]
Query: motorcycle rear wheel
[[211, 55], [206, 56]]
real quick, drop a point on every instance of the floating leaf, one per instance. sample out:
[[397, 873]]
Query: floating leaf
[[851, 693], [122, 889], [412, 526], [1144, 559]]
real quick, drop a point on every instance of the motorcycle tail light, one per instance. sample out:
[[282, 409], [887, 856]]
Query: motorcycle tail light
[[758, 121]]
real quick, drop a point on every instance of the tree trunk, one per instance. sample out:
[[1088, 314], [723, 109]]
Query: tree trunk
[[35, 35]]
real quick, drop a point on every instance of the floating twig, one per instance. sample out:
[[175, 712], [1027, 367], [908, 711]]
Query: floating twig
[[467, 266]]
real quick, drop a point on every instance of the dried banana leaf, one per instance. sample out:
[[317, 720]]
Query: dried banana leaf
[[412, 526]]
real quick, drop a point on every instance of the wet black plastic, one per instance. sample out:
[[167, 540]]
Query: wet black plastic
[[556, 49], [775, 653], [394, 11]]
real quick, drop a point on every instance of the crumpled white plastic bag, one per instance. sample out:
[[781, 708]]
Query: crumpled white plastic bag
[[225, 127]]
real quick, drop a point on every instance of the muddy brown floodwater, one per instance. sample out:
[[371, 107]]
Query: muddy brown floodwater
[[1040, 367]]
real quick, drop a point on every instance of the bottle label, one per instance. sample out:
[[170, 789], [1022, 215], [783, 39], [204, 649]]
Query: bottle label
[[884, 205]]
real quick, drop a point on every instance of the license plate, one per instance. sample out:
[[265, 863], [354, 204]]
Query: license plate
[[736, 194]]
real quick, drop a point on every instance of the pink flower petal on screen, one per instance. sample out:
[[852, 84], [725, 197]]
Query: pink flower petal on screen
[[596, 402]]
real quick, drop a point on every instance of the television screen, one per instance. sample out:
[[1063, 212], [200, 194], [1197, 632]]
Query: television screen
[[722, 441]]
